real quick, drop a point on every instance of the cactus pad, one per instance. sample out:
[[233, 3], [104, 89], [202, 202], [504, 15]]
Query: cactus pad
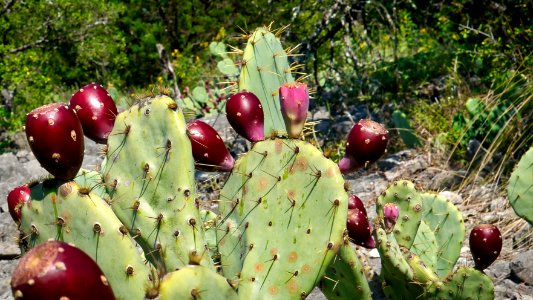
[[265, 68], [149, 172], [69, 213], [520, 188], [290, 204]]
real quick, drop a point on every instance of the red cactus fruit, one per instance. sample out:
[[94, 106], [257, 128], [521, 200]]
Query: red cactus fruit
[[245, 114], [55, 270], [485, 245], [208, 149], [355, 202], [294, 104], [16, 199], [56, 139], [96, 111], [367, 141], [359, 229]]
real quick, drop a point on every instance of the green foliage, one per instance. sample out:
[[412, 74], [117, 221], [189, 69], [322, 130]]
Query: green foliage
[[402, 124]]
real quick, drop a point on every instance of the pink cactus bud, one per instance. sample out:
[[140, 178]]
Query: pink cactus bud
[[390, 215], [294, 103]]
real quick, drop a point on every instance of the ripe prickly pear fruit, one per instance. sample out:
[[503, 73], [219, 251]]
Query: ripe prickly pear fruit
[[390, 215], [96, 110], [56, 139], [56, 270], [294, 104], [355, 202], [16, 199], [359, 229], [245, 114], [208, 149], [485, 245], [367, 141]]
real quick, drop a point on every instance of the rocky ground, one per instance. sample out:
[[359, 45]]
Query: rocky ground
[[512, 273]]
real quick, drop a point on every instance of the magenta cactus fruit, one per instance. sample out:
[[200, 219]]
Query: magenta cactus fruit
[[245, 114], [294, 104], [359, 229], [16, 199], [367, 141], [355, 202], [208, 149], [485, 245], [96, 110], [390, 215], [56, 139], [55, 270]]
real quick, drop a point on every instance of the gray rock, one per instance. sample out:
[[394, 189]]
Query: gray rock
[[499, 270], [522, 267], [6, 269], [454, 197], [8, 236]]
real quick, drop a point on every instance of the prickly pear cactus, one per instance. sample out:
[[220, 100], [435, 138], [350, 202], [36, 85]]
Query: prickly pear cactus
[[71, 213], [424, 267], [265, 68], [345, 277], [520, 187], [290, 206], [149, 172]]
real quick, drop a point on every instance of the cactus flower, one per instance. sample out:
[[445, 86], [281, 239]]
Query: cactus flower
[[294, 104]]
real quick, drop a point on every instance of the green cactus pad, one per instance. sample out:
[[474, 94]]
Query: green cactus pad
[[231, 248], [93, 181], [422, 274], [520, 188], [446, 222], [196, 282], [405, 196], [209, 219], [290, 204], [69, 213], [396, 275], [464, 284], [265, 68], [150, 177], [425, 245], [345, 277]]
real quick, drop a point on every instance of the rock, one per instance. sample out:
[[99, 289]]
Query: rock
[[522, 267], [8, 235], [6, 269], [445, 179], [453, 197], [394, 160], [499, 270]]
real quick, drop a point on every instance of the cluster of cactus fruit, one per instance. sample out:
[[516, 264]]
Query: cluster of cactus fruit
[[284, 222]]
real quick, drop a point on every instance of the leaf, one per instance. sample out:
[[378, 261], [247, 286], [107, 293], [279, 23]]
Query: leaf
[[199, 94], [227, 67]]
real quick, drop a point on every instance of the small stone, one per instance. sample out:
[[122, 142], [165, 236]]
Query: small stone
[[454, 197], [522, 267], [374, 253]]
